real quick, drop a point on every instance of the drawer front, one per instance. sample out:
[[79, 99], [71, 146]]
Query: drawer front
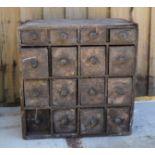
[[118, 121], [92, 35], [123, 36], [38, 122], [35, 62], [64, 121], [91, 121], [92, 91], [64, 61], [122, 60], [66, 36], [64, 92], [36, 93], [92, 61], [31, 37], [120, 91]]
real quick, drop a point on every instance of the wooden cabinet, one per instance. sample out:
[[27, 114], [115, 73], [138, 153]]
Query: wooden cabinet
[[78, 77]]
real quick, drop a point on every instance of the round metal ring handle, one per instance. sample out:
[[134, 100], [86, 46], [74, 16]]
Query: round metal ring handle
[[64, 35], [92, 92], [92, 122], [64, 121], [64, 61], [122, 58], [123, 34], [34, 63], [93, 60], [64, 92], [120, 90], [35, 93], [118, 120], [92, 35], [34, 35]]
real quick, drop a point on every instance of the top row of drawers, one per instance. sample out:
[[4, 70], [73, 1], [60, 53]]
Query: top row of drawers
[[72, 36]]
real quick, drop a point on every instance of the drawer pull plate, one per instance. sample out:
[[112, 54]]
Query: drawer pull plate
[[34, 36], [64, 92], [64, 35], [64, 61], [118, 120], [92, 92], [92, 123], [93, 60], [34, 63], [92, 35]]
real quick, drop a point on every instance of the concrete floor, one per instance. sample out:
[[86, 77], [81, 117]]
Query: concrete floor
[[143, 132]]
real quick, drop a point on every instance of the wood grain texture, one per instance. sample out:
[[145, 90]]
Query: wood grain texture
[[119, 12], [9, 18], [76, 12], [142, 17], [152, 55], [30, 13], [52, 13], [98, 12]]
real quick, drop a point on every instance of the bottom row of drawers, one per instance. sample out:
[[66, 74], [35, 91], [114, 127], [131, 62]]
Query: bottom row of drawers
[[81, 121]]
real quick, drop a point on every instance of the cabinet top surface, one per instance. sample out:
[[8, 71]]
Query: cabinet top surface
[[56, 23]]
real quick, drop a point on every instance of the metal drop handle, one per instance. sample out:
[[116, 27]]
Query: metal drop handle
[[34, 35], [92, 122], [64, 35], [64, 121], [64, 61], [123, 34], [34, 63], [35, 93], [122, 58], [64, 92], [118, 120], [93, 60], [93, 35], [92, 92]]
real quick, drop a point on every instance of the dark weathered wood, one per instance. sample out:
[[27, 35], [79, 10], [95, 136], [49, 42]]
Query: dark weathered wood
[[92, 91], [121, 60], [92, 61], [37, 122], [64, 92], [120, 91], [64, 61], [36, 93], [82, 81], [34, 62], [64, 121], [92, 121], [118, 120]]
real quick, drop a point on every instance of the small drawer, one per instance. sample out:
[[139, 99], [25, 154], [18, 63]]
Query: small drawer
[[118, 121], [33, 37], [122, 60], [93, 61], [63, 36], [64, 61], [34, 62], [36, 93], [120, 91], [92, 35], [64, 121], [37, 122], [92, 91], [92, 121], [123, 36], [64, 92]]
